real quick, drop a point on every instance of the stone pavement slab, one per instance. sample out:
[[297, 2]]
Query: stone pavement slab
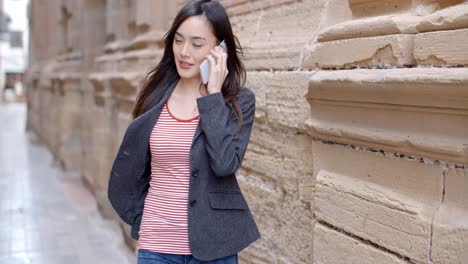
[[46, 218]]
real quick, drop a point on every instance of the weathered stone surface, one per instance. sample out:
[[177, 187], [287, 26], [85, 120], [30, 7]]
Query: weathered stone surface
[[388, 201], [283, 159], [442, 48], [281, 219], [371, 27], [69, 143], [331, 246], [239, 7], [280, 97], [368, 8], [450, 18], [389, 50], [450, 238], [386, 109], [141, 61], [276, 56], [275, 39]]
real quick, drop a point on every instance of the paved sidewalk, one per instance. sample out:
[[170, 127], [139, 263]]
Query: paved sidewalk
[[46, 219]]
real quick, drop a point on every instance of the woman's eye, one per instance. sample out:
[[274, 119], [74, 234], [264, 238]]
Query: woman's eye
[[197, 45], [178, 40]]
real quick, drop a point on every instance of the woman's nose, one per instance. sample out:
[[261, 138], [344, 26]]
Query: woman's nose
[[185, 50]]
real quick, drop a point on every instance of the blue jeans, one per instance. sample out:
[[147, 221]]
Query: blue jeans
[[149, 257]]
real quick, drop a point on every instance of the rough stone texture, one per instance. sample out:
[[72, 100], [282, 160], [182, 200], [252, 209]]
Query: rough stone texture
[[69, 143], [365, 8], [379, 156], [451, 18], [331, 246], [286, 215], [280, 97], [385, 109], [239, 7], [282, 159], [390, 50], [450, 239], [371, 27], [387, 201], [274, 38], [442, 48]]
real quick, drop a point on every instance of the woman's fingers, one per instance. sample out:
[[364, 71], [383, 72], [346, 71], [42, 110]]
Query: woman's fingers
[[211, 59], [218, 61]]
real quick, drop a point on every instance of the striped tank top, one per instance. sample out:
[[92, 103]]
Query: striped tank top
[[164, 224]]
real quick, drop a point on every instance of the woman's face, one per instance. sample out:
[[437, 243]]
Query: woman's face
[[192, 42]]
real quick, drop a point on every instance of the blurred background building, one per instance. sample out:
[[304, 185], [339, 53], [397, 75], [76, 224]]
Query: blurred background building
[[13, 49], [359, 152]]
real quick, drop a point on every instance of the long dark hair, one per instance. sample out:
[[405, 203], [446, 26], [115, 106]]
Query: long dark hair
[[165, 73]]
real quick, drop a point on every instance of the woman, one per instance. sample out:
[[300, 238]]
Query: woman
[[173, 179]]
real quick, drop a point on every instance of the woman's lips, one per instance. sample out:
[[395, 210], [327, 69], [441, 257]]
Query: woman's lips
[[185, 65]]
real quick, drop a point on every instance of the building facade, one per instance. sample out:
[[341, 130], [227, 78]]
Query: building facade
[[359, 152]]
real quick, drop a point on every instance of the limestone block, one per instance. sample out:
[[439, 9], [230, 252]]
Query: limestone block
[[280, 97], [289, 24], [450, 238], [125, 83], [245, 27], [416, 111], [282, 220], [388, 201], [70, 149], [279, 57], [442, 48], [123, 87], [154, 38], [331, 246], [389, 50], [371, 27], [335, 11], [454, 17], [239, 7], [283, 159], [142, 60], [257, 253], [367, 8], [275, 38]]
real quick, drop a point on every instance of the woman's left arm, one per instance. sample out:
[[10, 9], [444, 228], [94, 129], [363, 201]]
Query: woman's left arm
[[225, 145]]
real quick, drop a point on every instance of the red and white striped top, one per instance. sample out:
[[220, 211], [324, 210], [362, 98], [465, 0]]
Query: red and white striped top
[[164, 224]]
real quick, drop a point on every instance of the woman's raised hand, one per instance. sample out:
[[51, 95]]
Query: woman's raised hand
[[218, 69]]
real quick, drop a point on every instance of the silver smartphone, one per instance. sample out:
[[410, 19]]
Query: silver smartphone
[[205, 65]]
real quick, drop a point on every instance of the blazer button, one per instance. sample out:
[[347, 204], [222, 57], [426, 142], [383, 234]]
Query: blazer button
[[195, 173], [193, 203]]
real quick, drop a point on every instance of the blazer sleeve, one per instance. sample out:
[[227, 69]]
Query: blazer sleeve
[[226, 145]]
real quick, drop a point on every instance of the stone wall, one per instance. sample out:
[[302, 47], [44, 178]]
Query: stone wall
[[359, 152]]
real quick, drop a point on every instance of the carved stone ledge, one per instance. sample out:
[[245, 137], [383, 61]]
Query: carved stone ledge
[[419, 111], [454, 17], [150, 39], [133, 60], [446, 47], [371, 27], [450, 18], [121, 91], [381, 51], [116, 45]]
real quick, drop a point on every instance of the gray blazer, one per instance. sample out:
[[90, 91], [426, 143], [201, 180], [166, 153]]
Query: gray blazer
[[220, 222]]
